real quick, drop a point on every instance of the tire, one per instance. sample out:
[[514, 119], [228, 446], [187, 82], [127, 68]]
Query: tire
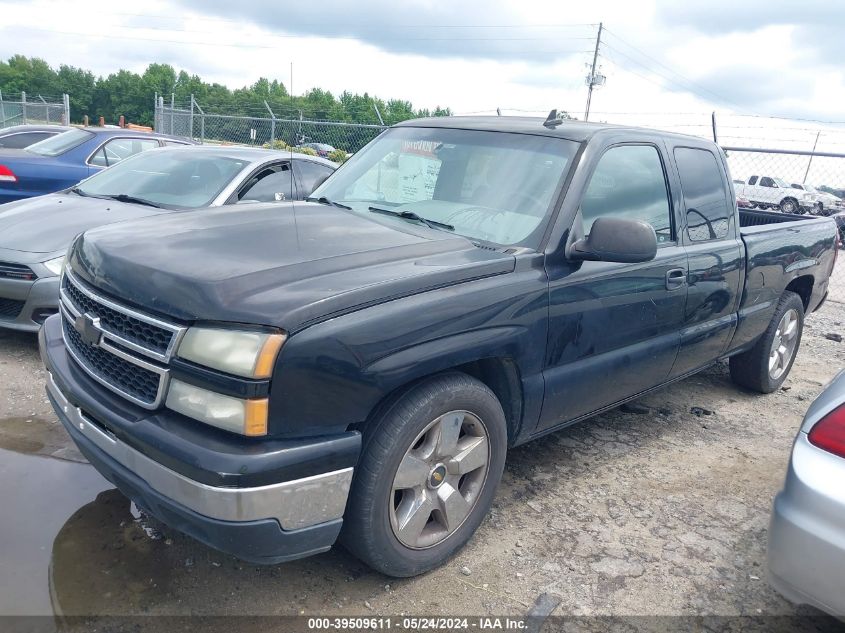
[[379, 500], [752, 369], [790, 205]]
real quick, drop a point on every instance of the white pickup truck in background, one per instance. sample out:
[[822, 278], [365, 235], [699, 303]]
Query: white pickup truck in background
[[770, 192], [826, 203]]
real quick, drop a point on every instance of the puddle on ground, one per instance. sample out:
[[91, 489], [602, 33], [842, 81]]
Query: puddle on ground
[[72, 545], [36, 435], [37, 496]]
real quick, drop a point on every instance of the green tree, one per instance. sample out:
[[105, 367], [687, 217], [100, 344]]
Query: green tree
[[79, 85], [132, 95], [123, 93], [160, 79]]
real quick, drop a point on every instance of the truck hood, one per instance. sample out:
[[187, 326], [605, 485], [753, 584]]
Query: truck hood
[[282, 265], [47, 224]]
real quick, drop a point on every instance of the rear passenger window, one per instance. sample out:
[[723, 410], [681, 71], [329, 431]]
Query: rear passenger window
[[311, 175], [629, 182], [271, 185], [708, 212], [21, 140]]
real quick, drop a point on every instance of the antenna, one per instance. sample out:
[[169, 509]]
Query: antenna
[[553, 120]]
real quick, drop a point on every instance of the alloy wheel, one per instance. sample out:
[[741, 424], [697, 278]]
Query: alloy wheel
[[439, 479], [784, 344]]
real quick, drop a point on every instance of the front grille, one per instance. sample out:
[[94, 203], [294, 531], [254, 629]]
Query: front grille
[[124, 349], [123, 376], [127, 327], [10, 308], [16, 271]]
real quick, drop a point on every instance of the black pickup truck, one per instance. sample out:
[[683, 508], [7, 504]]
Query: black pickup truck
[[271, 379]]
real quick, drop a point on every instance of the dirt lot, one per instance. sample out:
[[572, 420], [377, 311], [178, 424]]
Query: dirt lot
[[658, 508]]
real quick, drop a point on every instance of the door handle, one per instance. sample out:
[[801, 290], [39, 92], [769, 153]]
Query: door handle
[[676, 278]]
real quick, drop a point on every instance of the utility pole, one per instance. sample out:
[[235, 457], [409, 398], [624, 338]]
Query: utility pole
[[591, 80], [378, 114], [810, 162]]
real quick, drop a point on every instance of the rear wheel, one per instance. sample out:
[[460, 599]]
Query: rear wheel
[[428, 473], [765, 366]]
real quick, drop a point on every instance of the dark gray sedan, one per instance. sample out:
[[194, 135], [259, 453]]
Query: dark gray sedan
[[807, 530], [35, 233]]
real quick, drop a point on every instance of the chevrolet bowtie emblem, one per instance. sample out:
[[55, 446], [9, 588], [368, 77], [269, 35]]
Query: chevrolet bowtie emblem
[[88, 327]]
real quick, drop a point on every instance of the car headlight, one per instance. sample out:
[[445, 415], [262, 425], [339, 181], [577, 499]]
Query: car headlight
[[55, 265], [247, 417], [246, 353]]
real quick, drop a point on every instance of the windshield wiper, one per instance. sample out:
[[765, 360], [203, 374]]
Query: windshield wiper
[[410, 215], [79, 192], [122, 197], [324, 200]]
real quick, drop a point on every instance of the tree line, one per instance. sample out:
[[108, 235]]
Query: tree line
[[132, 95]]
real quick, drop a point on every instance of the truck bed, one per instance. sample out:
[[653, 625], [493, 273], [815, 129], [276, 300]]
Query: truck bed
[[749, 218], [780, 249]]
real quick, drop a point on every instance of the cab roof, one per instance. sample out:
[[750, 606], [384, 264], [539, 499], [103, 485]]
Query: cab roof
[[568, 129]]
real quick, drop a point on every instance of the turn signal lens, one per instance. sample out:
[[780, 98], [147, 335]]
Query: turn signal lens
[[267, 355], [829, 432], [255, 417]]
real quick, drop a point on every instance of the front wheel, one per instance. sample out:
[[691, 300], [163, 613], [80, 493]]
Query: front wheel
[[765, 366], [431, 462], [789, 205]]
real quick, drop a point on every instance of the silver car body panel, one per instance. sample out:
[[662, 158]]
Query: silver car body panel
[[41, 294], [806, 547]]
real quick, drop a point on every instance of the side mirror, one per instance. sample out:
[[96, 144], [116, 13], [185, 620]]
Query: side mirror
[[616, 240]]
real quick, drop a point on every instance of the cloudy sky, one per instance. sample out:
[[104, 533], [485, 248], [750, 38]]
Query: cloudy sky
[[667, 61]]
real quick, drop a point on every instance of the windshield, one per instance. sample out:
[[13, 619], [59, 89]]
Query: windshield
[[172, 178], [60, 143], [781, 183], [810, 188], [490, 186]]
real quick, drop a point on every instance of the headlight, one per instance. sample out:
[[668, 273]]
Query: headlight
[[55, 265], [250, 354], [247, 417]]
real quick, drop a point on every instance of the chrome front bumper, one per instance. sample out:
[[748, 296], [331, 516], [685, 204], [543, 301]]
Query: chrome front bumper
[[295, 504]]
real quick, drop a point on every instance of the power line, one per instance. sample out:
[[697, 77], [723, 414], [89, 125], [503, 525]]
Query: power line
[[379, 27], [690, 87], [668, 68], [532, 51]]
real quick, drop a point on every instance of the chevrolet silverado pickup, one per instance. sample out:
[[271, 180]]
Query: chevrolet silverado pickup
[[270, 380]]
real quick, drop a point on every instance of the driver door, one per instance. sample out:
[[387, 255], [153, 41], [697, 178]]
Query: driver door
[[614, 329]]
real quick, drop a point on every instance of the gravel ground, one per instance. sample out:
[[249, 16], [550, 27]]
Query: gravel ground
[[658, 508]]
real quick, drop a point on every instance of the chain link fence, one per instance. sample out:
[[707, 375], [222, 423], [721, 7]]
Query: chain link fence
[[191, 121], [797, 182], [23, 109], [781, 180]]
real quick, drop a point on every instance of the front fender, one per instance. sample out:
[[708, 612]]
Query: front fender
[[333, 374]]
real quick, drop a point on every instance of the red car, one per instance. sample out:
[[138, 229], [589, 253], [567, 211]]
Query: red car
[[743, 203]]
